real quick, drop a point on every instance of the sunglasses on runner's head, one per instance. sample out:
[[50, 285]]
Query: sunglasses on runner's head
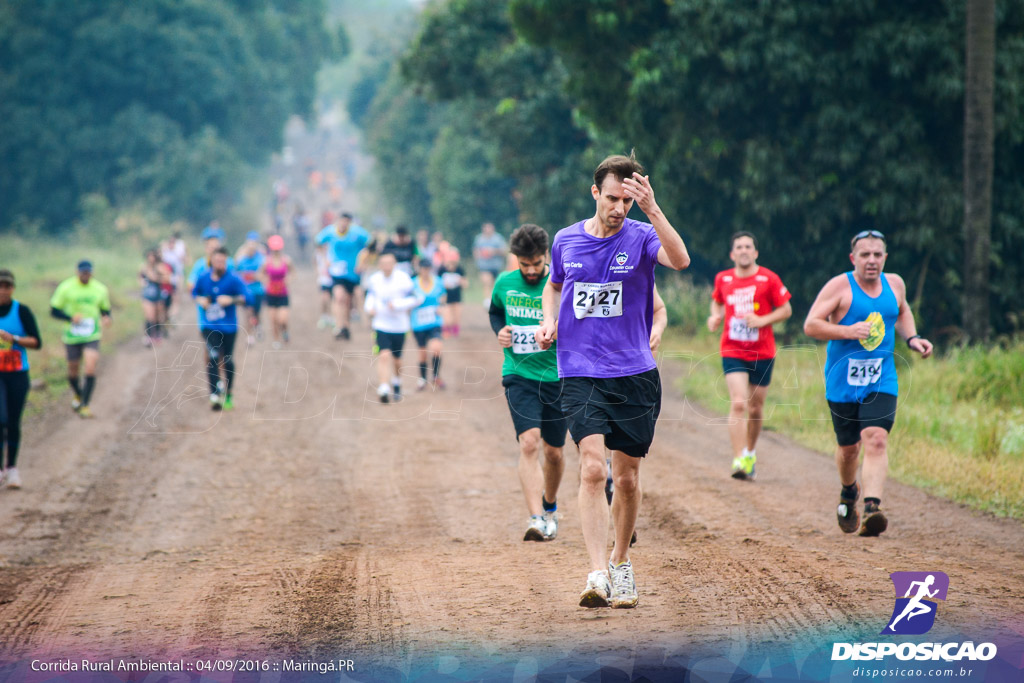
[[866, 233]]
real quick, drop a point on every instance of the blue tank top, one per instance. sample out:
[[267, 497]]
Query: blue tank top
[[427, 315], [855, 368], [13, 357]]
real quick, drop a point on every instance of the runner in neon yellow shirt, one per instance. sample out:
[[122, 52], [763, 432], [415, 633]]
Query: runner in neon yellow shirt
[[85, 304]]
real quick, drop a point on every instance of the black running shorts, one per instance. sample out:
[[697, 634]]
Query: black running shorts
[[848, 419], [424, 336], [349, 285], [74, 352], [391, 341], [759, 371], [533, 403], [624, 409]]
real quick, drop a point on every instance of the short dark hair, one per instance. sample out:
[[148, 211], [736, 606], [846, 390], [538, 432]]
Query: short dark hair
[[528, 240], [620, 166], [741, 233], [221, 250]]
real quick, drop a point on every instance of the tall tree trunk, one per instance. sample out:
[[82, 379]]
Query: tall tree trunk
[[979, 133]]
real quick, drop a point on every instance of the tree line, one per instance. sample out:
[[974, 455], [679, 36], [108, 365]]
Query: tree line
[[162, 103], [801, 122]]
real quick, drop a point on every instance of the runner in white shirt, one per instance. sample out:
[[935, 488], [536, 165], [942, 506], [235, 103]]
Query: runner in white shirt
[[389, 298]]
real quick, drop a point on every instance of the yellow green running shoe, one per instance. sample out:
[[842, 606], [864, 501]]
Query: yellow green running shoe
[[743, 467]]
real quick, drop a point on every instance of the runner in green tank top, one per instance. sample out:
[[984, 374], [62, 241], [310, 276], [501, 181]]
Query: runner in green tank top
[[530, 378]]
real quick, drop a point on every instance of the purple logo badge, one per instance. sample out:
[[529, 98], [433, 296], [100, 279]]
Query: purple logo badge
[[916, 596], [621, 257]]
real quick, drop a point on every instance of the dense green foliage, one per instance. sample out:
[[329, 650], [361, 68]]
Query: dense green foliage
[[804, 124], [162, 102]]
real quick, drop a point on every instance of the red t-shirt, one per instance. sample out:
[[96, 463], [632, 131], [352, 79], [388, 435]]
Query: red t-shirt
[[761, 293]]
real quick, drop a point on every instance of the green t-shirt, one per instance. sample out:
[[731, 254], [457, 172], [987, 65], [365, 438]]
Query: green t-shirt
[[87, 300], [524, 312]]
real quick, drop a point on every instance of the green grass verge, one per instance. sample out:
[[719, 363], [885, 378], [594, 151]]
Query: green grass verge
[[959, 431]]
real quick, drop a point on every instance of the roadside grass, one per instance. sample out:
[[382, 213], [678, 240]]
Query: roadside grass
[[959, 430]]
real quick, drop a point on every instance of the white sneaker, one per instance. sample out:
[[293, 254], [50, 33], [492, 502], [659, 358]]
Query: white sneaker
[[623, 585], [598, 590], [12, 479], [216, 402], [550, 524], [384, 393], [537, 531], [75, 404]]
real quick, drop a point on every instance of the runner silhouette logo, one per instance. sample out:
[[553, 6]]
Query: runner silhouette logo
[[914, 612]]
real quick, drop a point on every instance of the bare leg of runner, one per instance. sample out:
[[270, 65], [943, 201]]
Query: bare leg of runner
[[553, 467], [625, 502], [876, 461], [592, 502], [755, 415]]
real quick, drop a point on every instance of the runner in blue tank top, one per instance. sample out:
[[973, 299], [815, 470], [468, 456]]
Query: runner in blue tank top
[[859, 313]]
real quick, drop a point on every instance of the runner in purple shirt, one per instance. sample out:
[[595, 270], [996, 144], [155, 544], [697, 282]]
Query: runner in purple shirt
[[599, 302]]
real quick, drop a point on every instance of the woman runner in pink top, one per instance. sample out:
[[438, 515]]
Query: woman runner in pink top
[[275, 281]]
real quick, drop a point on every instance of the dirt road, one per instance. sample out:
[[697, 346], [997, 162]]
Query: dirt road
[[314, 522]]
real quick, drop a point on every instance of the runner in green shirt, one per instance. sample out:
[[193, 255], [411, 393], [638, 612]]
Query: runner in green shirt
[[530, 378], [85, 304]]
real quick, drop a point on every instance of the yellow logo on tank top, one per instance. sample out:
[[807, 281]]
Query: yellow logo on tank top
[[877, 331]]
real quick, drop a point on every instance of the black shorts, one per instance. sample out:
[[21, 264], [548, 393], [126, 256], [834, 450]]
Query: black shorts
[[453, 296], [391, 341], [327, 288], [848, 419], [536, 404], [760, 371], [219, 344], [424, 336], [275, 301], [349, 285], [624, 409], [74, 351]]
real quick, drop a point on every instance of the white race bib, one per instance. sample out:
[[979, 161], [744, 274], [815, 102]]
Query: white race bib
[[597, 299], [524, 339], [451, 280], [741, 332], [214, 312], [338, 268], [425, 316], [83, 328], [861, 373]]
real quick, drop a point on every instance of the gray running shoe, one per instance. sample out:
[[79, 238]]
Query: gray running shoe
[[598, 590], [550, 518], [537, 531], [846, 512], [623, 585]]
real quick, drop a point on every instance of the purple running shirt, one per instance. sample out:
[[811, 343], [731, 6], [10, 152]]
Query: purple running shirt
[[607, 305]]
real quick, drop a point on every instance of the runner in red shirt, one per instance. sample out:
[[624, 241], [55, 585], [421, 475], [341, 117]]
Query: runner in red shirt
[[749, 298]]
